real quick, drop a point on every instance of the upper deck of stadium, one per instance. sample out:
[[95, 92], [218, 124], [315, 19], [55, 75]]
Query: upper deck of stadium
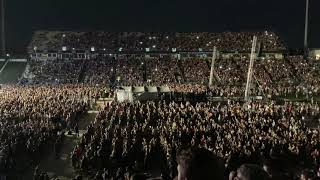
[[155, 41]]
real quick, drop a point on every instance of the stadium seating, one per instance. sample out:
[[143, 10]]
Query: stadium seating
[[139, 41], [276, 129]]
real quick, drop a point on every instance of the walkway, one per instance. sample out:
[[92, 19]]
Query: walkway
[[61, 167]]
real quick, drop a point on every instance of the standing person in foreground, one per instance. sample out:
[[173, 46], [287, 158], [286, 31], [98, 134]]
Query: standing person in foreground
[[198, 163]]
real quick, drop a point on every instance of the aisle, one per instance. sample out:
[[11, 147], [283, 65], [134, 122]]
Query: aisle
[[60, 167]]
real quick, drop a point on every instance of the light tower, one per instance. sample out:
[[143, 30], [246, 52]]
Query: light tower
[[3, 36], [214, 55], [250, 70], [306, 30]]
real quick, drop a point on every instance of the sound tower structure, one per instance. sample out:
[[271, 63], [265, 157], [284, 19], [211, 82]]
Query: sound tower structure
[[250, 69], [3, 36], [214, 55], [306, 31]]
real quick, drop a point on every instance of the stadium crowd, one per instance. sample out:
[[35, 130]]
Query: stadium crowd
[[33, 118], [56, 71], [258, 140], [100, 71], [128, 138], [139, 41], [162, 71], [130, 71], [291, 76]]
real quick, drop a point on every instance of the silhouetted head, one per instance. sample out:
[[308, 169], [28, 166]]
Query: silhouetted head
[[195, 164]]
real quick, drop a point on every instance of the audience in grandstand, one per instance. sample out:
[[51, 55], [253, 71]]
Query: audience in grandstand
[[57, 71], [130, 72], [163, 71], [272, 77], [196, 71], [99, 71], [156, 41], [255, 140]]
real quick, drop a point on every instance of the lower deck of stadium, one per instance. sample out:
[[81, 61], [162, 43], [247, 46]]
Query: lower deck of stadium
[[121, 117]]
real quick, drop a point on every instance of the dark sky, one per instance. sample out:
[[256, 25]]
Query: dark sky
[[284, 16]]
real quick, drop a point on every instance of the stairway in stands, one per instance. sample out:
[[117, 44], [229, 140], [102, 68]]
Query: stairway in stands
[[60, 167], [182, 73], [82, 73], [267, 72], [294, 72]]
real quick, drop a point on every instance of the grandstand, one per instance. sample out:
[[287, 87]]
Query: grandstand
[[139, 41], [101, 105]]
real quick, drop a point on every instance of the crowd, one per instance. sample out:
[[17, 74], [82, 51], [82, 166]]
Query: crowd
[[157, 41], [99, 70], [32, 118], [189, 140], [231, 71], [289, 77], [163, 71], [128, 138], [86, 40], [55, 71], [130, 71], [196, 71]]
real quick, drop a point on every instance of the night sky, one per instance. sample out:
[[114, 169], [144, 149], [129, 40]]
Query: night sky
[[283, 16]]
